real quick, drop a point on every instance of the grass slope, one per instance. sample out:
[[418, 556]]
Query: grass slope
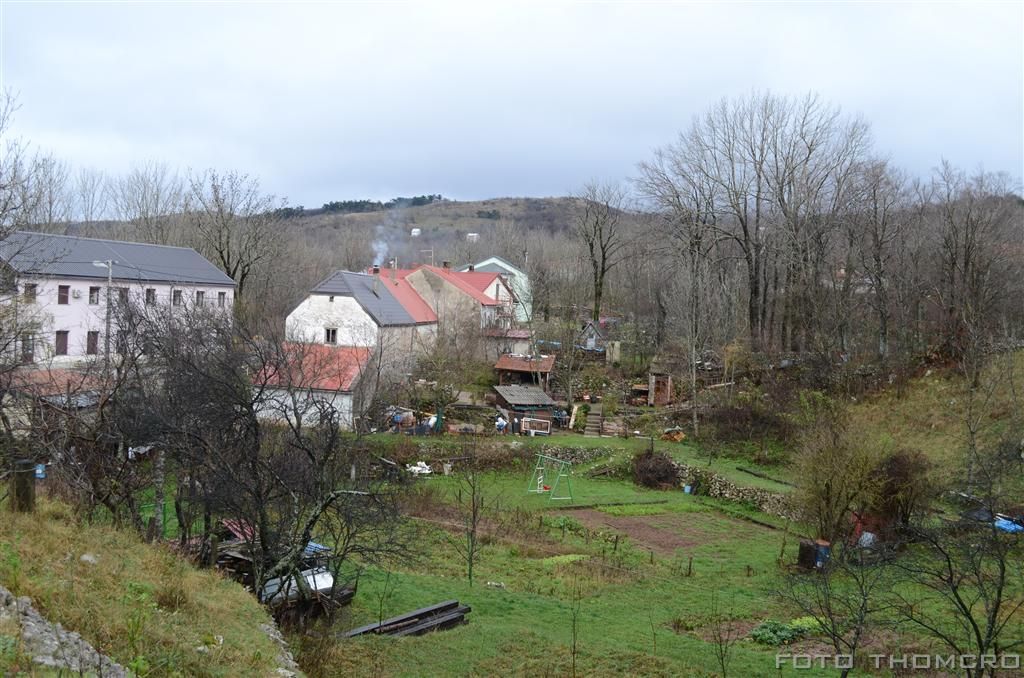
[[932, 414], [141, 605]]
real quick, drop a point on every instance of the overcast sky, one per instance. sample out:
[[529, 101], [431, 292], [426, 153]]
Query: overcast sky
[[475, 100]]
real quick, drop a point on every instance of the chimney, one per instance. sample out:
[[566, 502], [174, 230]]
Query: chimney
[[394, 271], [472, 268], [446, 265], [376, 269], [376, 279]]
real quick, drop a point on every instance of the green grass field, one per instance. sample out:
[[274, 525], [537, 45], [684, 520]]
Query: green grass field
[[644, 601]]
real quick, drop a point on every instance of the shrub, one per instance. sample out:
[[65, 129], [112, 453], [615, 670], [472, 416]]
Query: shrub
[[806, 626], [655, 469], [775, 633]]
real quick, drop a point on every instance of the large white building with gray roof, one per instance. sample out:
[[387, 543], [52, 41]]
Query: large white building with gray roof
[[56, 290]]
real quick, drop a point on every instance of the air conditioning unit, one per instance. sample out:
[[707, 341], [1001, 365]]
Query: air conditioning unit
[[76, 294]]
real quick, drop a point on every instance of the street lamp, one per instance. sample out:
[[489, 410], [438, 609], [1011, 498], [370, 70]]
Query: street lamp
[[109, 265]]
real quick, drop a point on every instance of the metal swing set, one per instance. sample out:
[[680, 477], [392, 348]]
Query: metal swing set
[[551, 476]]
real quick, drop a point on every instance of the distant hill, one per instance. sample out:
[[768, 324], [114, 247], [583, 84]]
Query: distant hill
[[444, 227], [550, 214]]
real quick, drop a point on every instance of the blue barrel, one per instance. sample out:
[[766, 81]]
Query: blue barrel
[[824, 552]]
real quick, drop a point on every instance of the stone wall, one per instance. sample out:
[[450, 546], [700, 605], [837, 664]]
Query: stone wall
[[709, 484], [51, 645]]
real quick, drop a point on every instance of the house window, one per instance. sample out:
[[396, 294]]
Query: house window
[[150, 296], [200, 297], [62, 342], [122, 295], [63, 292], [330, 335], [176, 297], [94, 296], [331, 299], [28, 348], [122, 341], [92, 343], [222, 299], [30, 293]]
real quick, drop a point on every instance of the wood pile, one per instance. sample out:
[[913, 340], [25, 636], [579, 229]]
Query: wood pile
[[433, 618]]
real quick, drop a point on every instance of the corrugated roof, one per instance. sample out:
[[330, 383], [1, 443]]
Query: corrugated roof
[[525, 363], [317, 366], [524, 395], [375, 297], [73, 257]]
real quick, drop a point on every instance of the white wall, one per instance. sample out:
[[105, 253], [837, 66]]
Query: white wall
[[520, 284], [283, 405], [316, 312], [78, 317]]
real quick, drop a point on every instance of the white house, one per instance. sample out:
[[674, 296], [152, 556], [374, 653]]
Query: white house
[[359, 309], [314, 381], [58, 288], [517, 281]]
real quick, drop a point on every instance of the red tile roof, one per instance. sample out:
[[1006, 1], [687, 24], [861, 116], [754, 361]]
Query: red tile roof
[[52, 381], [316, 366], [464, 283], [474, 283], [525, 363], [481, 280]]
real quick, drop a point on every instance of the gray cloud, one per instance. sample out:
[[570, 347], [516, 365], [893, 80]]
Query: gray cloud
[[476, 100]]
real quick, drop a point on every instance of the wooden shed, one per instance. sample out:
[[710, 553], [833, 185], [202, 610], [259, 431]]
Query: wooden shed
[[526, 402], [514, 368]]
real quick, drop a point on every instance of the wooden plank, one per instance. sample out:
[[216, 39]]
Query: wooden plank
[[435, 623], [403, 618]]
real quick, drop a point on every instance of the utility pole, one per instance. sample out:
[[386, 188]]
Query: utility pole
[[109, 265]]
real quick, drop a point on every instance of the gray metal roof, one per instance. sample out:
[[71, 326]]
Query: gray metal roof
[[498, 266], [524, 395], [73, 257], [375, 298]]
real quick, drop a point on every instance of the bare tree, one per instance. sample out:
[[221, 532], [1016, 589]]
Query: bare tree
[[54, 205], [884, 216], [91, 197], [599, 226], [147, 201], [962, 581], [19, 194], [724, 634], [473, 501], [233, 223], [844, 598]]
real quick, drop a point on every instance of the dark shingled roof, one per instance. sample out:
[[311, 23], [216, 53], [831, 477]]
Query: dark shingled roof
[[375, 298], [66, 256], [524, 395]]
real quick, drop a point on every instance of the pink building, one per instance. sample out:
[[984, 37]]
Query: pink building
[[56, 290]]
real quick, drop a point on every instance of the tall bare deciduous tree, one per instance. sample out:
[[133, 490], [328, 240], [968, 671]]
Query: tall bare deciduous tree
[[599, 226], [233, 223], [19, 194], [91, 196], [147, 201]]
